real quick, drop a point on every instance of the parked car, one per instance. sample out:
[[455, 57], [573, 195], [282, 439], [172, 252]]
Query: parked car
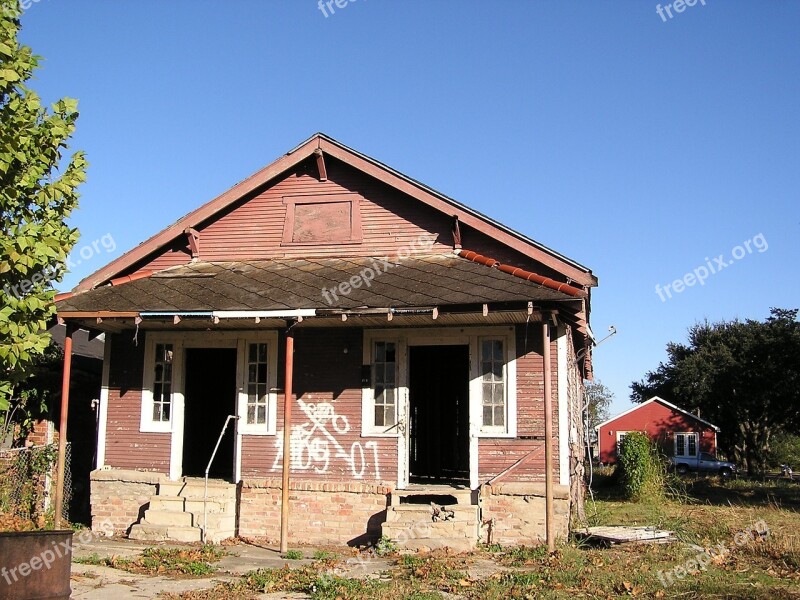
[[703, 463]]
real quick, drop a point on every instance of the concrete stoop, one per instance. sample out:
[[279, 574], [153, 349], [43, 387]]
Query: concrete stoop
[[176, 512], [412, 523]]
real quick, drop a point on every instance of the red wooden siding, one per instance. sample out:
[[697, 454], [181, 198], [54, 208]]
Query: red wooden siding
[[390, 221], [126, 447], [660, 422], [324, 374], [497, 455]]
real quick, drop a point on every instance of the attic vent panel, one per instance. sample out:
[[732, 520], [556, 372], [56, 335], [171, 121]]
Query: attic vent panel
[[322, 219]]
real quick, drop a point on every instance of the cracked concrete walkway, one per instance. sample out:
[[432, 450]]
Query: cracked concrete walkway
[[94, 582]]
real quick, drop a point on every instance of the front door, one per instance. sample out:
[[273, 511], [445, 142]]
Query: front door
[[438, 436], [209, 397]]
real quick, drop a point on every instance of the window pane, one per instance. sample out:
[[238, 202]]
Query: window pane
[[486, 349], [487, 393], [498, 350], [388, 396], [497, 371], [380, 352], [251, 414], [156, 412], [262, 353], [253, 353], [499, 416], [379, 415], [679, 445], [380, 371], [390, 352], [262, 414], [262, 372], [389, 419], [158, 392], [165, 411], [487, 416], [692, 445]]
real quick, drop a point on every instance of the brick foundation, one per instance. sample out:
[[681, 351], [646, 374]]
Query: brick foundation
[[517, 513], [320, 513], [120, 497]]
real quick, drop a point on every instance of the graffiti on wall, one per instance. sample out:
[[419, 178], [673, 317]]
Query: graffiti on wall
[[314, 444]]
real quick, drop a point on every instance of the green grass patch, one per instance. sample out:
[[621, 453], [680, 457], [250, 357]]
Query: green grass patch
[[192, 562]]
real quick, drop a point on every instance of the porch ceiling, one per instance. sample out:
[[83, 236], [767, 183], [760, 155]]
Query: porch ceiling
[[419, 281]]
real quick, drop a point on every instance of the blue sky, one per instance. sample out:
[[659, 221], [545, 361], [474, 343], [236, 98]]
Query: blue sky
[[635, 144]]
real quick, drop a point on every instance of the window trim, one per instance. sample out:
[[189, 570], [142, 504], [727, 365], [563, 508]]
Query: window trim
[[146, 422], [468, 336], [291, 202], [687, 435], [368, 427], [493, 429], [270, 427]]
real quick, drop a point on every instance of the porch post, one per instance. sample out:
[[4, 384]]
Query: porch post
[[62, 426], [548, 439], [287, 437]]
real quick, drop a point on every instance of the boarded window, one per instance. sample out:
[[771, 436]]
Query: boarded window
[[162, 383], [385, 380], [323, 219], [493, 384], [257, 384]]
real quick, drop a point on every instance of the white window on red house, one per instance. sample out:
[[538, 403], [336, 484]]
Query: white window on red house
[[384, 376], [686, 444], [162, 383], [257, 384], [493, 384]]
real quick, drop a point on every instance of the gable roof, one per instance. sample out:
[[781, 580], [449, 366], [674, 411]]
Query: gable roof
[[328, 146], [663, 402]]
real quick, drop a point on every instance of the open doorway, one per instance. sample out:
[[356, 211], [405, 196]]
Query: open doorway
[[439, 414], [209, 397]]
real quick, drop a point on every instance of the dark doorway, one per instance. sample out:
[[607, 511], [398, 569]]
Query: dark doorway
[[210, 396], [439, 419]]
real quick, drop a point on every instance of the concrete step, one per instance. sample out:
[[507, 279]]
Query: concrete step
[[195, 489], [216, 521], [167, 503], [212, 506], [439, 494], [160, 533], [168, 518], [420, 512]]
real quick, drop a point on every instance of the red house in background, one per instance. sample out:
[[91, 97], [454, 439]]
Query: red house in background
[[678, 432]]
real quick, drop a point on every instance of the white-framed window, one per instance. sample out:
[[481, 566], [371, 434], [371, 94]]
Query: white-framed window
[[381, 397], [686, 444], [257, 384], [620, 436], [161, 362], [384, 398], [384, 378], [494, 401], [256, 379], [258, 395]]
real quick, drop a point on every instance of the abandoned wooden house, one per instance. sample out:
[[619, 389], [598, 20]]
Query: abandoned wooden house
[[413, 345]]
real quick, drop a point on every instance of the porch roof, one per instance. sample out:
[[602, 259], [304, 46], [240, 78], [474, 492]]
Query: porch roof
[[312, 283]]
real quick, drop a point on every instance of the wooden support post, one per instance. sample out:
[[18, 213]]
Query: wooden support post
[[62, 426], [548, 441], [287, 438]]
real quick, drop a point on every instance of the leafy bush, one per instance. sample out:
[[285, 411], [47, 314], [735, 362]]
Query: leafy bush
[[641, 470], [785, 449]]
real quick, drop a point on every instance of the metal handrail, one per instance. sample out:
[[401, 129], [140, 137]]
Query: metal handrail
[[208, 468]]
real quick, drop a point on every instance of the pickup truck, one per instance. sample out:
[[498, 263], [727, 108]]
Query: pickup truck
[[703, 463]]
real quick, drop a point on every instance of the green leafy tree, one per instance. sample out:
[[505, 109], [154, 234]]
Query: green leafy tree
[[37, 193], [743, 376], [597, 398]]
